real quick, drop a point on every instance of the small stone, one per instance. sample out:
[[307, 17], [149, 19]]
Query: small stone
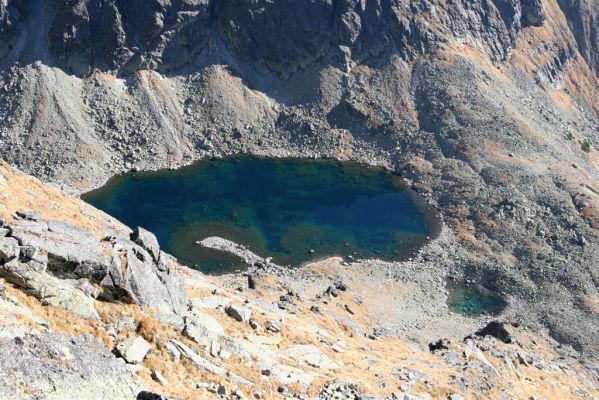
[[133, 350], [522, 359], [28, 252], [28, 215], [214, 348], [255, 326], [158, 377], [224, 354], [9, 249], [222, 390], [271, 327], [238, 313], [315, 309]]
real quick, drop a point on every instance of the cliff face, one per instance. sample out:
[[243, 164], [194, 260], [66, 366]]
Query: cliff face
[[487, 108], [279, 37]]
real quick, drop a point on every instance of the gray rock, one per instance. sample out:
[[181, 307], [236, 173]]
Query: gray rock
[[173, 351], [196, 360], [533, 13], [148, 241], [133, 350], [75, 253], [49, 289], [239, 313], [158, 377], [58, 367], [202, 328], [29, 215], [311, 355], [147, 285], [9, 248], [28, 253]]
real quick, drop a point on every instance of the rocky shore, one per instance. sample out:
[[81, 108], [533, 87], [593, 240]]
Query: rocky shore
[[487, 109], [90, 308]]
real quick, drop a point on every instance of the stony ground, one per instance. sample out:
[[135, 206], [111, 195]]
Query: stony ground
[[322, 335], [487, 108]]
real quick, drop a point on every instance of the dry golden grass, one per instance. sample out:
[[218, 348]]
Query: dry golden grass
[[23, 192], [367, 362], [60, 320]]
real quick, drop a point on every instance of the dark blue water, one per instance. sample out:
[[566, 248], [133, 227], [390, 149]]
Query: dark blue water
[[294, 211]]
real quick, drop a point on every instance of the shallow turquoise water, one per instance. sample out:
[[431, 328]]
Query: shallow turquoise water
[[474, 299], [292, 210]]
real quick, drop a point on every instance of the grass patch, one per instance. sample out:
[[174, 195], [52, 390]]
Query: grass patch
[[585, 146]]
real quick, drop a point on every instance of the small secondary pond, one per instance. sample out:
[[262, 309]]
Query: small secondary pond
[[471, 299], [291, 210]]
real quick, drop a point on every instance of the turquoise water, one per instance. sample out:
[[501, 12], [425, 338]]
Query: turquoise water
[[474, 299], [291, 210]]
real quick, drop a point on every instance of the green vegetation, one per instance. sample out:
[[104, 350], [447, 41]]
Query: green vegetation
[[585, 146], [569, 136]]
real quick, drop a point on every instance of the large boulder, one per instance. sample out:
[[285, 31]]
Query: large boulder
[[59, 367], [9, 249], [133, 350], [145, 283], [49, 289], [202, 328], [147, 240], [120, 268]]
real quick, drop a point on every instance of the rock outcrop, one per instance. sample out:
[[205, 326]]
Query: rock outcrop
[[59, 367], [235, 343], [487, 108], [69, 266]]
